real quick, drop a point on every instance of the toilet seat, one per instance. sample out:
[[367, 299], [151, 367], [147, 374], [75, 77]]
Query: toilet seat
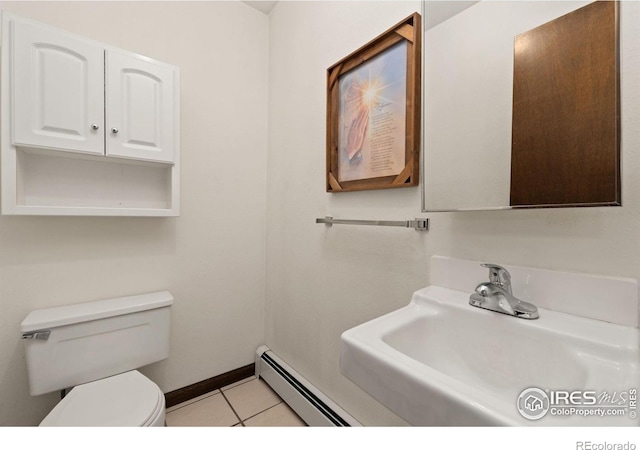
[[129, 399]]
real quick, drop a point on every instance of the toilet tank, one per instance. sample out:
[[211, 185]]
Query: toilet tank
[[70, 345]]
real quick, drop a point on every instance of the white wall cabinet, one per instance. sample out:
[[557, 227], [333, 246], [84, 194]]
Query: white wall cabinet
[[58, 84], [87, 129], [140, 107]]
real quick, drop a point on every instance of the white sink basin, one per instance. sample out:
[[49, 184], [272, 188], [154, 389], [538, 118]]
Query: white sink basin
[[440, 361]]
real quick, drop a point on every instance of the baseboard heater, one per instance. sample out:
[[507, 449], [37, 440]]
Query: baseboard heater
[[315, 408]]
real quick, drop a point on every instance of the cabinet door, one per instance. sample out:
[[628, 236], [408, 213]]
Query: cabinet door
[[58, 89], [142, 104]]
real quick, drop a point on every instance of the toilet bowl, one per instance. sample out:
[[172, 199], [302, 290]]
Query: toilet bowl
[[126, 400], [94, 348]]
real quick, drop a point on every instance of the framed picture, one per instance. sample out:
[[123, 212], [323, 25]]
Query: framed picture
[[373, 113]]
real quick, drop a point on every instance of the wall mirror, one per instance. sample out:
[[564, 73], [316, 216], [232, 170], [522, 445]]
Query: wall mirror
[[509, 107]]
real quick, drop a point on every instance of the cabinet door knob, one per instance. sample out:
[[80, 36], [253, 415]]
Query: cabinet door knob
[[114, 130], [95, 126]]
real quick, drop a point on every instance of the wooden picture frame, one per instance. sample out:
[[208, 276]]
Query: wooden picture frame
[[374, 114]]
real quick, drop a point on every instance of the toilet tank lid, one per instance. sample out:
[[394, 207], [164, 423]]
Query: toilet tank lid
[[41, 319]]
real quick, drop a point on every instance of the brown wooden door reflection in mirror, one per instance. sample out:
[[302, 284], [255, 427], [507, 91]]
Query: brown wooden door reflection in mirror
[[566, 111]]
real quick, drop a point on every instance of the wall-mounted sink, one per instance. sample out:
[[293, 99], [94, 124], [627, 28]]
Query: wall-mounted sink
[[440, 361]]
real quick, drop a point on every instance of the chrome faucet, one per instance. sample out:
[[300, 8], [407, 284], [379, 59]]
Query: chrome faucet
[[495, 295]]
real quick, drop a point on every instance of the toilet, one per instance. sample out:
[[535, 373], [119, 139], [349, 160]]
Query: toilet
[[94, 348]]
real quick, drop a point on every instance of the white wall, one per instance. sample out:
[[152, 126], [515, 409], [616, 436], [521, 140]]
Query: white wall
[[212, 257], [322, 281]]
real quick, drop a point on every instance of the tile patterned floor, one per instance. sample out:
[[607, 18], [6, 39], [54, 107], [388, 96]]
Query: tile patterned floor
[[249, 403]]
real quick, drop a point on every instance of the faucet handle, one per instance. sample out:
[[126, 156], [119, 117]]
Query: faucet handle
[[499, 275]]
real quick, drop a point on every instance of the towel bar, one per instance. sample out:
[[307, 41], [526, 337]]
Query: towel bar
[[418, 224]]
